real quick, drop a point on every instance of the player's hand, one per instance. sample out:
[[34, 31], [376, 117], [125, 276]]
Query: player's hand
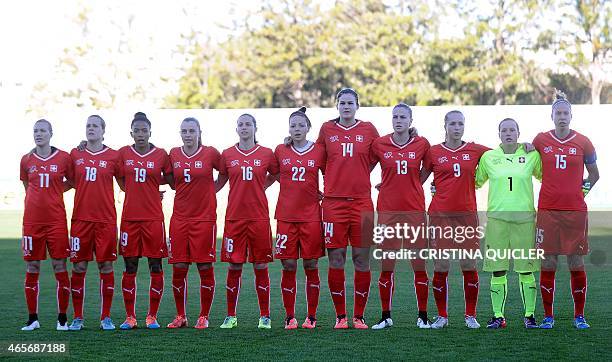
[[288, 140], [432, 189], [377, 187], [529, 147], [81, 146], [161, 194], [413, 132], [586, 187]]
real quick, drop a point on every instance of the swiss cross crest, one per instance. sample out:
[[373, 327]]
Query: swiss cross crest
[[150, 164], [333, 139], [257, 162], [198, 164], [548, 149], [177, 164], [80, 161], [466, 156], [442, 159], [311, 163], [129, 162], [388, 155], [522, 159], [234, 163], [359, 138], [53, 168], [286, 161], [103, 164], [572, 151], [411, 155]]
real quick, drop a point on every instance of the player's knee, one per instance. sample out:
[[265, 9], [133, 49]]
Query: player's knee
[[33, 267], [468, 264], [361, 262], [204, 266], [549, 263], [260, 266], [289, 265], [80, 267], [105, 267], [442, 265], [337, 258], [234, 266], [131, 265], [155, 266], [575, 262], [311, 263], [59, 265]]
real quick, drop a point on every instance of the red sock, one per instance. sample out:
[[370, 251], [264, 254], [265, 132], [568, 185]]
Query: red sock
[[547, 289], [313, 287], [128, 287], [578, 282], [470, 291], [63, 291], [232, 290], [262, 284], [207, 290], [288, 291], [156, 291], [107, 290], [179, 288], [440, 292], [421, 289], [335, 280], [77, 285], [386, 287], [31, 292], [362, 282]]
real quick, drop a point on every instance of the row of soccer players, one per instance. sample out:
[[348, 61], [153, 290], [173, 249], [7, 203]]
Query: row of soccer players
[[346, 151]]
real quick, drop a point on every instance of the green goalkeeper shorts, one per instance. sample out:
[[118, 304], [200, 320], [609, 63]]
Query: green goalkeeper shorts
[[505, 241]]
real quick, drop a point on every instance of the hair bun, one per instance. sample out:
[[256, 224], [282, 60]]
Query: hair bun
[[302, 109], [140, 115], [559, 94]]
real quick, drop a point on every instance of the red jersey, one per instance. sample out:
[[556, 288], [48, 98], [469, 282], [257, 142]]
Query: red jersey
[[94, 199], [298, 200], [143, 175], [454, 176], [195, 198], [247, 172], [349, 162], [401, 188], [44, 200], [563, 169]]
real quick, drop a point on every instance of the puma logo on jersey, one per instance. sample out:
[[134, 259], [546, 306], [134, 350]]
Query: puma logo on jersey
[[348, 138], [362, 294], [400, 154], [93, 162], [583, 290], [560, 149], [340, 293], [289, 290], [131, 291], [188, 164], [247, 162], [209, 287], [455, 158], [548, 290], [158, 291], [140, 163], [508, 159], [44, 167], [299, 161]]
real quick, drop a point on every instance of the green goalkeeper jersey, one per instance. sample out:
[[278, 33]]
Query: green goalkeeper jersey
[[510, 183]]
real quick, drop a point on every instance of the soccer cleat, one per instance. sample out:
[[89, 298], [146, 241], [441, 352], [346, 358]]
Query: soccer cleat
[[423, 323], [547, 323], [130, 323], [384, 323], [76, 325], [341, 323], [106, 324], [61, 327], [309, 323], [497, 323], [265, 323], [530, 322], [202, 323], [359, 323], [439, 323], [471, 322], [291, 323], [178, 322], [581, 323], [30, 326], [151, 322], [229, 322]]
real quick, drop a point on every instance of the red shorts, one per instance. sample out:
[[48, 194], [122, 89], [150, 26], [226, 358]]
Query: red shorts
[[299, 240], [242, 238], [456, 231], [38, 238], [347, 221], [87, 238], [562, 232], [412, 233], [192, 241], [143, 238]]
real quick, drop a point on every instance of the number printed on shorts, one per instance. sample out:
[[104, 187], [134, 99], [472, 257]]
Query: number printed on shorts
[[229, 245], [75, 244], [281, 240], [328, 229], [124, 239], [26, 244], [539, 236]]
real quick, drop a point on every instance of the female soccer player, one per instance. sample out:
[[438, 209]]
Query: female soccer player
[[347, 142], [401, 201], [94, 220], [247, 221], [562, 212], [298, 215], [453, 206], [43, 173], [142, 221], [193, 225], [511, 220]]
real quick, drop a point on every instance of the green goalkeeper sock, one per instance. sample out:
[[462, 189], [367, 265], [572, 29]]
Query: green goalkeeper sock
[[499, 291], [529, 293]]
